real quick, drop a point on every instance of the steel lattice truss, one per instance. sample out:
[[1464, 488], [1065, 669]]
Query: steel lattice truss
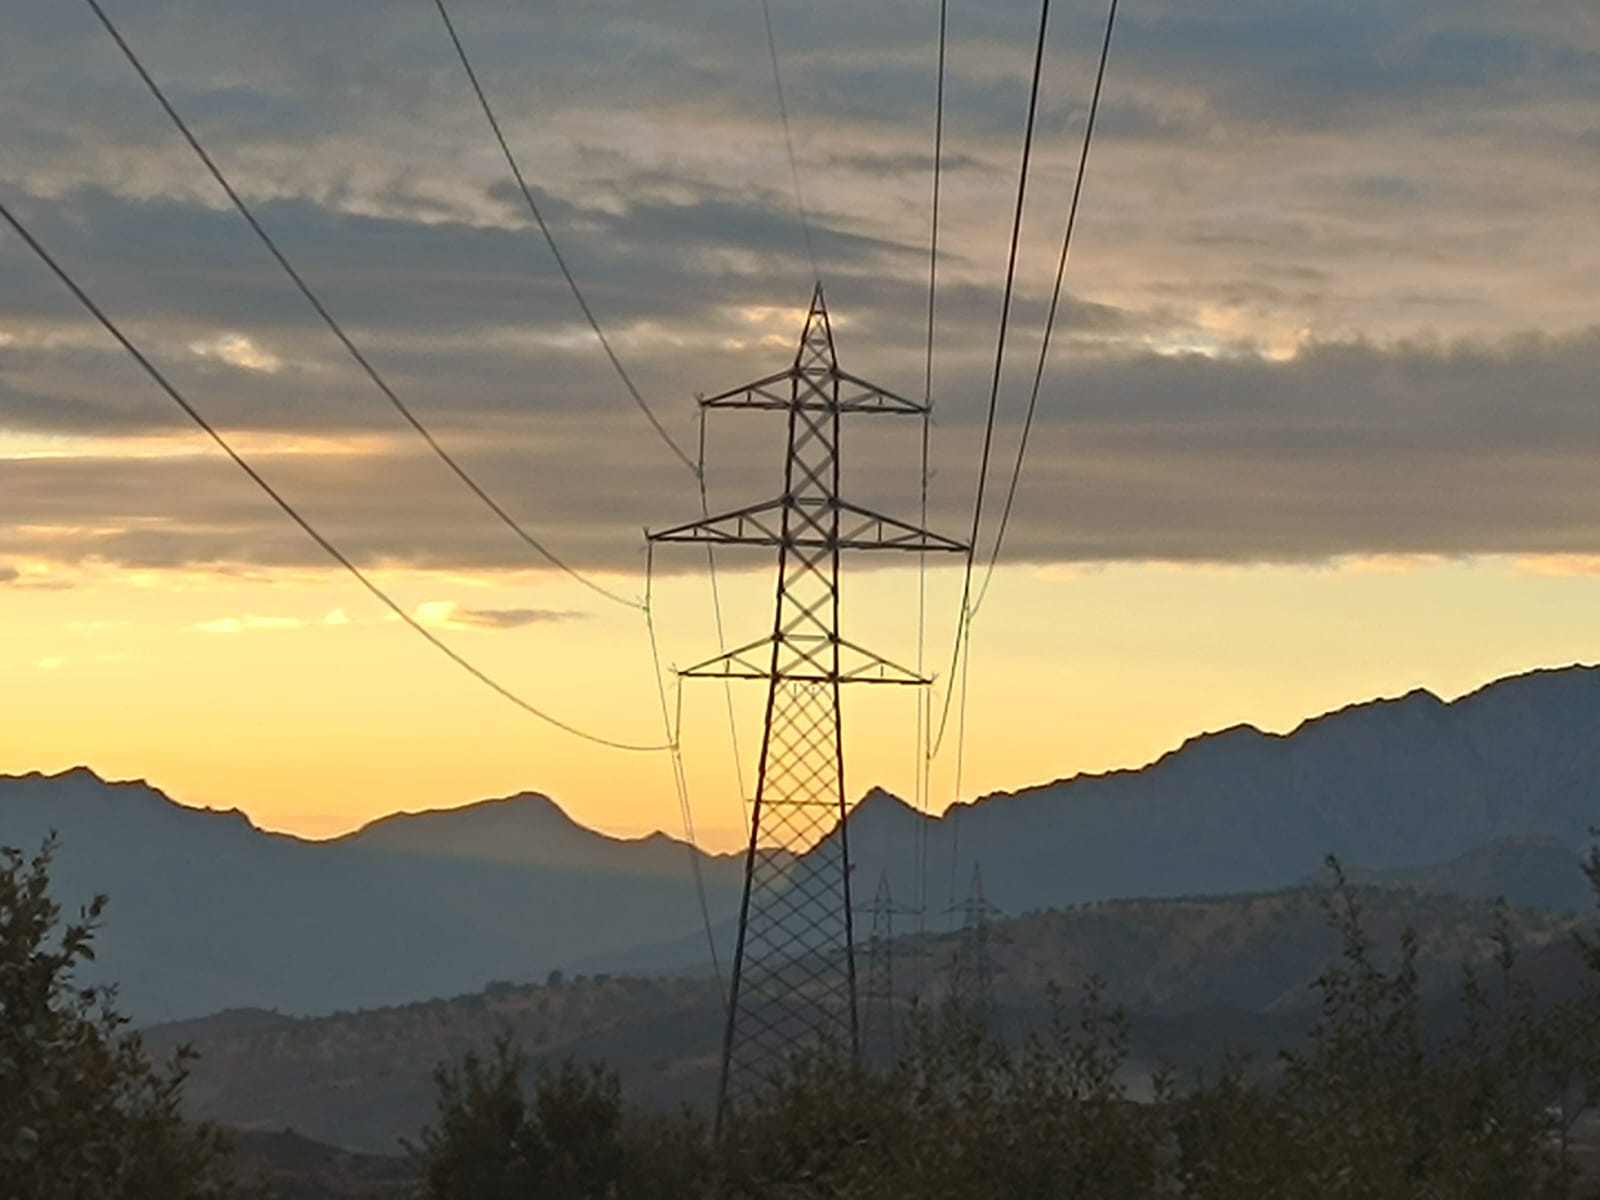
[[972, 972], [880, 1018], [794, 975]]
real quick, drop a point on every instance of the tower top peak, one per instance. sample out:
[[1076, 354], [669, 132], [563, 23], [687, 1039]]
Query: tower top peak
[[816, 352]]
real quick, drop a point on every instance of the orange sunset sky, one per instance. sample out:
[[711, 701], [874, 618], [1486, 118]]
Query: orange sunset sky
[[1319, 423]]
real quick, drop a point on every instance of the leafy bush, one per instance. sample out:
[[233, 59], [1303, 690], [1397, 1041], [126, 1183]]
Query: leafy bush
[[83, 1111], [1381, 1103], [570, 1139]]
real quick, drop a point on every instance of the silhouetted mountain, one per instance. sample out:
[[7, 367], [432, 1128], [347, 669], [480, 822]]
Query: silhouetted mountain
[[209, 912], [526, 830], [1388, 785]]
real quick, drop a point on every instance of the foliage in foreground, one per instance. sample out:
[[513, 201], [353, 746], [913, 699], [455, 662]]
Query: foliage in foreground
[[572, 1138], [83, 1111], [1378, 1105], [1384, 1102]]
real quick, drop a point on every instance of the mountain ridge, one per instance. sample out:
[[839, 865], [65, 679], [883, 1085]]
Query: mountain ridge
[[210, 912], [1397, 783], [1412, 695], [1188, 744]]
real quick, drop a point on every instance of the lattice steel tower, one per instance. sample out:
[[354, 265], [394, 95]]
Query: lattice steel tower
[[880, 1022], [972, 971], [794, 972]]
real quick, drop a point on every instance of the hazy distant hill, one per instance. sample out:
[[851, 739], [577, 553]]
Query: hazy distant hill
[[209, 912], [1388, 785], [1491, 795], [1200, 975], [1533, 872], [522, 831]]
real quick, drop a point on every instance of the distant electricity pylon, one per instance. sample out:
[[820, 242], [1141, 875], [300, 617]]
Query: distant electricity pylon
[[794, 976], [972, 971], [880, 1022]]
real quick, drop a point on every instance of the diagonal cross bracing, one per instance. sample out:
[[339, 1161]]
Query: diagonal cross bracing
[[794, 978]]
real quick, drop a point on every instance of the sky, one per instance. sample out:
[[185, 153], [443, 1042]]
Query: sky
[[1319, 421]]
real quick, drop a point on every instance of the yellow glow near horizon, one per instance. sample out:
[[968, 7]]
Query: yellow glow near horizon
[[298, 703]]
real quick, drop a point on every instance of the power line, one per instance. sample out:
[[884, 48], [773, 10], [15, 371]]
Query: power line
[[961, 756], [924, 703], [1055, 300], [680, 778], [555, 250], [788, 141], [962, 651], [722, 636], [999, 361], [289, 510], [933, 222], [333, 325]]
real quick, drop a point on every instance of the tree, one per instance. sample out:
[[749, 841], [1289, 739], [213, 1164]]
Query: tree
[[1395, 1093], [1382, 1102], [570, 1139], [961, 1115], [83, 1110]]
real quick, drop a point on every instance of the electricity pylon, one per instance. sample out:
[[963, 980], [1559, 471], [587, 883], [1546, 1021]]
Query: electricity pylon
[[880, 1023], [972, 971], [794, 976]]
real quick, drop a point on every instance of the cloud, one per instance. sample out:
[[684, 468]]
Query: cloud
[[56, 661], [237, 350], [1390, 564], [1559, 566], [1344, 449], [1285, 203], [36, 579], [249, 623], [509, 618], [448, 614]]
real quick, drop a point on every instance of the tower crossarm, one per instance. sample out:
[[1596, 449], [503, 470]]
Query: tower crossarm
[[804, 658], [875, 531], [754, 525], [869, 397], [763, 525], [809, 389]]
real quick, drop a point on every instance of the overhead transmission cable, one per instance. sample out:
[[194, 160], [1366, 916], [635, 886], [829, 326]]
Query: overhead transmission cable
[[961, 651], [289, 510], [1055, 300], [405, 411], [680, 778], [964, 626], [555, 250], [336, 328], [672, 726], [788, 141], [696, 468], [722, 636], [924, 699]]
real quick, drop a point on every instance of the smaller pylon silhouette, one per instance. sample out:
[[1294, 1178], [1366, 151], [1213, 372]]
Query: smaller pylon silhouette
[[972, 971], [880, 1018]]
